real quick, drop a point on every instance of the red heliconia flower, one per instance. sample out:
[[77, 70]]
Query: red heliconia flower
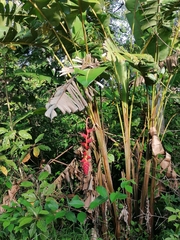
[[89, 130], [84, 135], [87, 139], [85, 163], [85, 145]]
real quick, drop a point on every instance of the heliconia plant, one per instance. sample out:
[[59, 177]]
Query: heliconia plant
[[86, 148]]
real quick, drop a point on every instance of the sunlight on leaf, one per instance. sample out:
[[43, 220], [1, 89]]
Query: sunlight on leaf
[[3, 170], [36, 151]]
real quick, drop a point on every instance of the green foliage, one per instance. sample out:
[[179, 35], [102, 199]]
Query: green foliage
[[37, 211], [38, 39]]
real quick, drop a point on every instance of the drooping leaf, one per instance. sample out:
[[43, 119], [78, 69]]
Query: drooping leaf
[[49, 218], [49, 189], [36, 151], [71, 101], [6, 224], [11, 134], [29, 196], [32, 229]]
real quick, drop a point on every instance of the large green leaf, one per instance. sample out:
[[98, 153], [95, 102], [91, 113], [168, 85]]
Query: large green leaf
[[87, 76]]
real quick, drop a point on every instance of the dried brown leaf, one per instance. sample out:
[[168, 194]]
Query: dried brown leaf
[[26, 158], [67, 98], [156, 144]]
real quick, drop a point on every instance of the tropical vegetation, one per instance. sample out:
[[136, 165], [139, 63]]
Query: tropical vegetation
[[90, 119]]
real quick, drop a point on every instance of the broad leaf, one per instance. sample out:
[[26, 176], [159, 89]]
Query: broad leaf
[[43, 176], [51, 204], [81, 217], [76, 202], [87, 76], [3, 130], [102, 191], [98, 201], [41, 224], [117, 195], [24, 134], [71, 216], [60, 214], [26, 184], [25, 220]]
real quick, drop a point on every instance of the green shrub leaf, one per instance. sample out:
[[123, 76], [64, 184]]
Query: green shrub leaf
[[71, 216], [43, 175], [25, 220], [117, 195], [102, 191], [51, 204], [76, 202], [81, 217], [39, 138], [172, 218], [26, 184], [3, 130], [98, 201], [24, 134], [41, 224], [44, 147], [60, 214]]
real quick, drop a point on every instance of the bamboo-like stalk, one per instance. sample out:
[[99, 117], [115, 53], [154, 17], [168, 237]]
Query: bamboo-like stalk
[[94, 115], [123, 84], [151, 205], [144, 192]]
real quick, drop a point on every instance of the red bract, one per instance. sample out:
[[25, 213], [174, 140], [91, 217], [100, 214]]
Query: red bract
[[87, 139], [85, 166], [85, 145]]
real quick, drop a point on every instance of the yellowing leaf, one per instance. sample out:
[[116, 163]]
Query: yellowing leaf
[[36, 151], [26, 158], [3, 170]]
